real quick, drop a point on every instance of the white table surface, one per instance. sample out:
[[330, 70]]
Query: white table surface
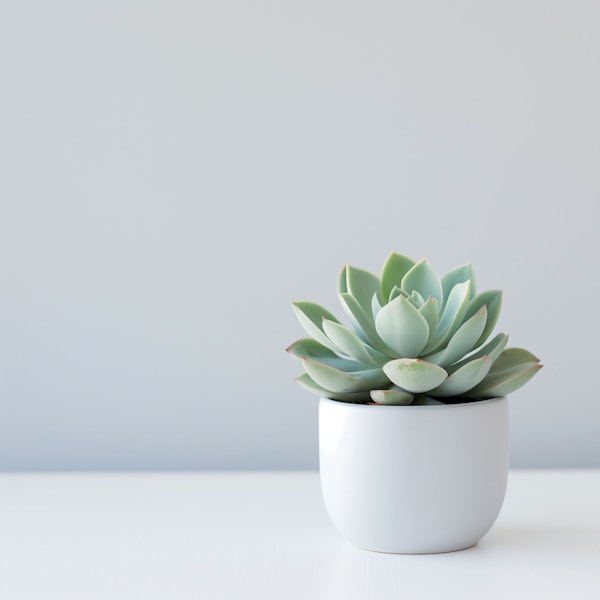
[[266, 535]]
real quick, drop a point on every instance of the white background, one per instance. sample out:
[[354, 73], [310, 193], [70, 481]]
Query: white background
[[174, 174]]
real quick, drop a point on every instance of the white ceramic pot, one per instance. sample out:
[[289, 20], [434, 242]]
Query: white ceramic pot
[[413, 479]]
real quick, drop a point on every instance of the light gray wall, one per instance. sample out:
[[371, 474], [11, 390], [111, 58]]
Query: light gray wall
[[175, 173]]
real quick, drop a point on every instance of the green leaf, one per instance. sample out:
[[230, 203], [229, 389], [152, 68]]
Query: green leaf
[[363, 324], [342, 288], [375, 306], [452, 317], [513, 357], [310, 348], [462, 342], [392, 397], [338, 381], [402, 327], [347, 341], [396, 291], [504, 382], [310, 316], [332, 379], [414, 375], [464, 379], [494, 378], [492, 299], [458, 275], [492, 350], [513, 368], [417, 299], [362, 285], [307, 383], [394, 269], [429, 311], [424, 280]]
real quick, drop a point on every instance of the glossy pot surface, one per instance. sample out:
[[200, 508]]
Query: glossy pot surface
[[413, 479]]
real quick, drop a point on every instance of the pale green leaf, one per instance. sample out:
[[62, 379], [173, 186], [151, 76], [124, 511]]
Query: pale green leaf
[[347, 341], [310, 348], [363, 323], [513, 357], [424, 280], [307, 383], [394, 269], [458, 275], [417, 299], [462, 342], [492, 350], [430, 312], [362, 285], [414, 375], [342, 287], [402, 328], [375, 306], [396, 291], [338, 381], [452, 317], [464, 379], [507, 372], [310, 316], [392, 397], [505, 382], [492, 299]]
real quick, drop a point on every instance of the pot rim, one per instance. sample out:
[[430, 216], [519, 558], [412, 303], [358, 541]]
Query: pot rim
[[389, 407]]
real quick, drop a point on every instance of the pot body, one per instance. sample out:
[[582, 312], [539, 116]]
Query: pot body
[[413, 479]]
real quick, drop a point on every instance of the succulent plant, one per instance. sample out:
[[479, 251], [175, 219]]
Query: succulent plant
[[414, 338]]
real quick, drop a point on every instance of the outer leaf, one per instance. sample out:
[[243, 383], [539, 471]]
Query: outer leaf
[[307, 383], [513, 357], [464, 379], [342, 287], [452, 317], [394, 397], [458, 275], [338, 381], [363, 324], [402, 328], [414, 375], [394, 269], [493, 301], [506, 372], [310, 316], [347, 341], [505, 382], [499, 376], [310, 348], [492, 350], [424, 280], [362, 285], [462, 341]]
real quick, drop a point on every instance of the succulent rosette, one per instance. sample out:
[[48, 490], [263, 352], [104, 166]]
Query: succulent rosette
[[414, 338]]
